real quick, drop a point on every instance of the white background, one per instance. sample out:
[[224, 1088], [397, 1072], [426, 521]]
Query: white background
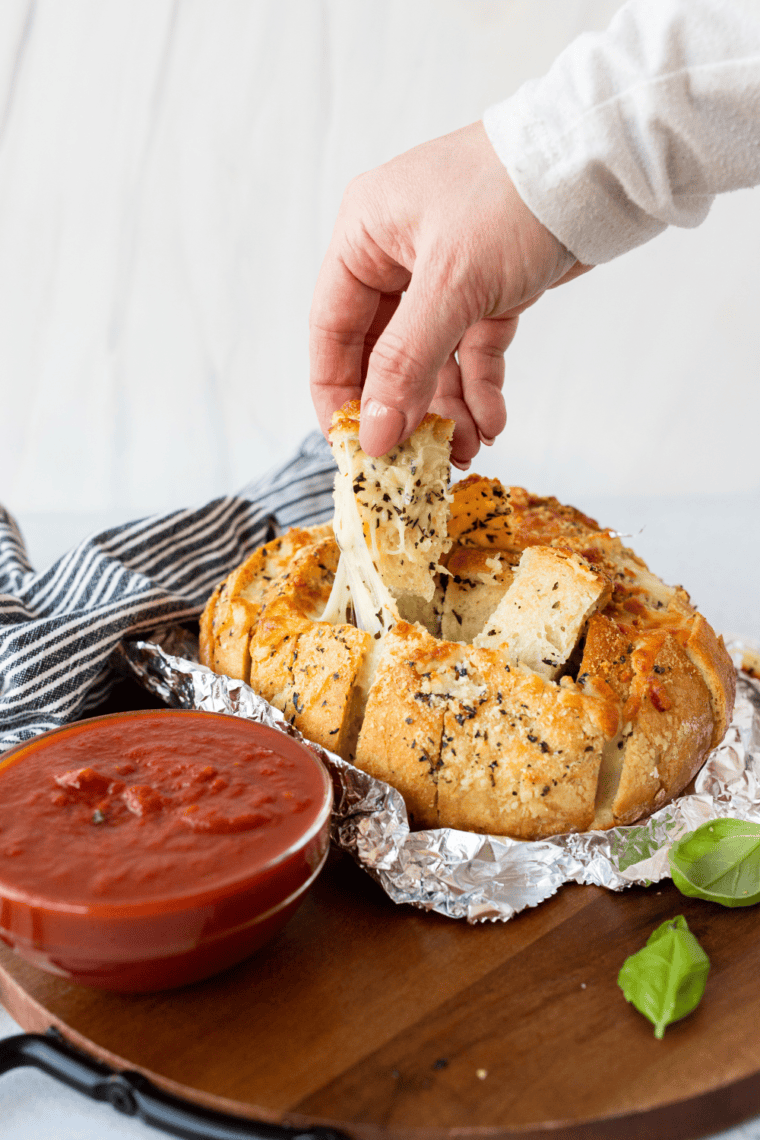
[[169, 176]]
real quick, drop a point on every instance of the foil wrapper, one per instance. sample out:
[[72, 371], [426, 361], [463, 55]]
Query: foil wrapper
[[457, 873]]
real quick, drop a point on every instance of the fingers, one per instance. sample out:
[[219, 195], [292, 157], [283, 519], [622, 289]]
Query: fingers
[[445, 223], [481, 363], [448, 402], [387, 306], [402, 376], [402, 348], [342, 310], [348, 313]]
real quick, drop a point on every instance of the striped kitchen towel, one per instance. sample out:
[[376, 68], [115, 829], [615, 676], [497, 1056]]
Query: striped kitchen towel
[[58, 628]]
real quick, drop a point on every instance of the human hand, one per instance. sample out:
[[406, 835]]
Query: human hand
[[443, 225]]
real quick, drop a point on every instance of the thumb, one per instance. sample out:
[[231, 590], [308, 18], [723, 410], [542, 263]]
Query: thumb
[[403, 369]]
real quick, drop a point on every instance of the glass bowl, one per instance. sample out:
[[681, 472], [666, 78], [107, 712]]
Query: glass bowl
[[143, 851]]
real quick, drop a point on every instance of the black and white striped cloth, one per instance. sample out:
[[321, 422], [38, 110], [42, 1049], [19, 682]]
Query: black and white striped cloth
[[59, 627]]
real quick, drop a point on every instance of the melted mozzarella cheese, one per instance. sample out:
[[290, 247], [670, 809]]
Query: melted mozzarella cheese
[[357, 581], [403, 504]]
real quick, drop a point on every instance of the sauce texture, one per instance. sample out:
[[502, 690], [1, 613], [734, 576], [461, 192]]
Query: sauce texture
[[127, 809]]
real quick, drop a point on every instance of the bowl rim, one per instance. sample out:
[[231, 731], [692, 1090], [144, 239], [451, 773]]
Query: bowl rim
[[48, 948], [175, 902]]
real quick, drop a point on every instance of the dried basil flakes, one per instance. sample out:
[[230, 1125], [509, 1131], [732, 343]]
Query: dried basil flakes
[[666, 979], [720, 862]]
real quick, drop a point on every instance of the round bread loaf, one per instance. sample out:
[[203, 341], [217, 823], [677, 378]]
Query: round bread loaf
[[519, 671]]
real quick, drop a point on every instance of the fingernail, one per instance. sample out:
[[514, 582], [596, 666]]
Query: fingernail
[[380, 428], [487, 440], [462, 466]]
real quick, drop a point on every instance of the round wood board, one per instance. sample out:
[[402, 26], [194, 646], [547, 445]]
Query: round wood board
[[389, 1023], [385, 1021]]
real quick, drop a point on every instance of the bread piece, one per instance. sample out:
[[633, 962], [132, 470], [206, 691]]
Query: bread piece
[[307, 668], [540, 618], [259, 626], [708, 653], [523, 762], [235, 605], [545, 520], [668, 727], [485, 514], [475, 743], [400, 739], [666, 720], [294, 603], [475, 583], [323, 696], [509, 519], [401, 498], [467, 591], [641, 602], [639, 598]]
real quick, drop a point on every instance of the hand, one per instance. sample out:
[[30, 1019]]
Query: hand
[[433, 257]]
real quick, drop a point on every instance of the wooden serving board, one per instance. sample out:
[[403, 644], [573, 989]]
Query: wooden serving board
[[383, 1020], [388, 1022]]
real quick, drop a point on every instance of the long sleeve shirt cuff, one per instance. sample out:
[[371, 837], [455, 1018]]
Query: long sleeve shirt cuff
[[639, 127]]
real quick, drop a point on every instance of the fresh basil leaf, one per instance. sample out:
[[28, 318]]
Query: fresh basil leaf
[[666, 979], [720, 861]]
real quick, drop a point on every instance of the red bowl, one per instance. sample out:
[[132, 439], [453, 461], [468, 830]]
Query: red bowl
[[114, 902]]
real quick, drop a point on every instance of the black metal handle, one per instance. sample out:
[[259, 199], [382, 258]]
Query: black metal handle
[[134, 1095]]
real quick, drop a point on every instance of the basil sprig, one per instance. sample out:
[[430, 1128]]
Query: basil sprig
[[720, 861], [666, 979]]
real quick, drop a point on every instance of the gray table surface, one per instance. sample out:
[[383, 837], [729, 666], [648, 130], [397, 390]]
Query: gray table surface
[[709, 544]]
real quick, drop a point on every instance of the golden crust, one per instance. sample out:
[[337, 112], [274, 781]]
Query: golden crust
[[666, 719], [482, 732], [400, 738], [234, 607], [321, 693], [524, 761], [486, 514], [473, 743], [483, 513], [708, 653]]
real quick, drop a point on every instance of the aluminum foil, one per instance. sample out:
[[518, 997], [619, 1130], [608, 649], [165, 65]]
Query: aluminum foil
[[458, 873]]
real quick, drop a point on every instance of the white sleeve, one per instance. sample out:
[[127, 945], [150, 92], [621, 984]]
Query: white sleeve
[[639, 127]]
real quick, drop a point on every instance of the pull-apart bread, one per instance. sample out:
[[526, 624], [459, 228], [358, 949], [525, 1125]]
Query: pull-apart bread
[[504, 662]]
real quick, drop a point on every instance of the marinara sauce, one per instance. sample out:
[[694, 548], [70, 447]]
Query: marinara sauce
[[124, 809]]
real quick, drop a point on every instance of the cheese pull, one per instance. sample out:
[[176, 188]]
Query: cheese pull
[[391, 517]]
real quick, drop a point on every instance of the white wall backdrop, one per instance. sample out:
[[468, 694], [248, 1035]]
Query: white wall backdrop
[[169, 175]]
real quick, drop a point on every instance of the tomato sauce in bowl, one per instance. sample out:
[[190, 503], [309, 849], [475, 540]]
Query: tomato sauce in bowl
[[146, 850]]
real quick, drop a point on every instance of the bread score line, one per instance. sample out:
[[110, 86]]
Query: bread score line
[[498, 657]]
